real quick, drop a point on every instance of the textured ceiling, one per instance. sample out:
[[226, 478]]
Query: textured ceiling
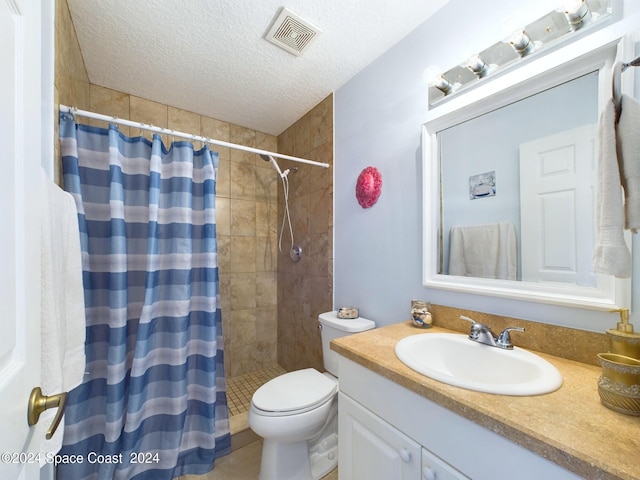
[[210, 56]]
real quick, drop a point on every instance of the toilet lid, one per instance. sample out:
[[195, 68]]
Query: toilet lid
[[294, 391]]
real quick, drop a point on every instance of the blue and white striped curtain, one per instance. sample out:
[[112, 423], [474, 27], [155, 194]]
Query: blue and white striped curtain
[[153, 402]]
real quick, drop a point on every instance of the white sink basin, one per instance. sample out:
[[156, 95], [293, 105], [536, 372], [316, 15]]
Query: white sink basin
[[454, 359]]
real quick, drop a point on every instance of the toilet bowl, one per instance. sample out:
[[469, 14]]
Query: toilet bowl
[[297, 413]]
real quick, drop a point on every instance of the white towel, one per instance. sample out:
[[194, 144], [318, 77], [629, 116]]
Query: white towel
[[62, 299], [611, 254], [484, 251], [628, 135]]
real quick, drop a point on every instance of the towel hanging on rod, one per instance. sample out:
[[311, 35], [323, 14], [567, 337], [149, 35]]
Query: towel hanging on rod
[[618, 69], [175, 133]]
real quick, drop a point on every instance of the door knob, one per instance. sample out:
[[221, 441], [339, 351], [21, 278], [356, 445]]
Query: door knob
[[38, 403]]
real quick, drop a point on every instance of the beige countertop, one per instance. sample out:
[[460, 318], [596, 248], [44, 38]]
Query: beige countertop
[[570, 426]]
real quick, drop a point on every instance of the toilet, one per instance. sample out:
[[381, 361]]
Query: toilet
[[297, 413]]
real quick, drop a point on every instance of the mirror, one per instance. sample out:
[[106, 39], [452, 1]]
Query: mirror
[[499, 166], [510, 183]]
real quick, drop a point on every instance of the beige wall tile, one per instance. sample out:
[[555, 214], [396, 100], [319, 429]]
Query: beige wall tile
[[243, 255], [224, 253], [267, 142], [242, 359], [319, 206], [223, 216], [243, 217], [266, 183], [68, 57], [267, 324], [246, 137], [223, 182], [267, 254], [300, 208], [266, 354], [71, 82], [148, 111], [305, 289], [225, 294], [243, 180], [244, 327], [183, 121], [266, 219], [151, 113], [266, 289], [110, 102], [217, 130]]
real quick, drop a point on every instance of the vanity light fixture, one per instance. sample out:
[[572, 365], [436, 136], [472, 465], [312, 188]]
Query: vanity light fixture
[[522, 43], [442, 84], [571, 17], [433, 77], [577, 13], [478, 66]]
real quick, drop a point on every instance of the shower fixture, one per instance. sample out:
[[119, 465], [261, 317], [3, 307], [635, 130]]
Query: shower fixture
[[269, 158], [295, 251]]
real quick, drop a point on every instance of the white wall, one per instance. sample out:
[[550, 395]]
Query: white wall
[[378, 118]]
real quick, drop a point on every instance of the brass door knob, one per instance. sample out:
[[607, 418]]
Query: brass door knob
[[38, 403]]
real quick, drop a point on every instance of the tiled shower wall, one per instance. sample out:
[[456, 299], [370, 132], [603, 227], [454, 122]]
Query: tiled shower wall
[[246, 202], [305, 288]]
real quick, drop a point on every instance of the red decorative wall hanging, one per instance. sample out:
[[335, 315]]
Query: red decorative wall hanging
[[368, 187]]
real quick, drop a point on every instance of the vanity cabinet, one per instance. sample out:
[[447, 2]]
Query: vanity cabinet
[[389, 432], [373, 449]]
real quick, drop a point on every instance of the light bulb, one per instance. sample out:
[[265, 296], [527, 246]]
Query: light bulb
[[430, 74], [576, 12]]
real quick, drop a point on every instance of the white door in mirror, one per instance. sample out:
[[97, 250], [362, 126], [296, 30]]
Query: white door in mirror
[[557, 187]]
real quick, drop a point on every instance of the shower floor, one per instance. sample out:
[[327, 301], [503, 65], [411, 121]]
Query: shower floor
[[240, 389]]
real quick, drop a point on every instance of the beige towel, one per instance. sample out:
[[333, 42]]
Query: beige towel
[[628, 135], [62, 298], [483, 251], [611, 254]]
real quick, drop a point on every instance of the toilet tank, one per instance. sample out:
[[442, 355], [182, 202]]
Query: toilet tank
[[333, 327]]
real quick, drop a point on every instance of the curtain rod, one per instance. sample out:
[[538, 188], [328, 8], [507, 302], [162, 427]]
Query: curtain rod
[[175, 133]]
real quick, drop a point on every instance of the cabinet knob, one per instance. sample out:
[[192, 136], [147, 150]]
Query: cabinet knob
[[428, 474], [405, 455]]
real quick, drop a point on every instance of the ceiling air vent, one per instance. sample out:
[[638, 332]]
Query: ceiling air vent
[[292, 33]]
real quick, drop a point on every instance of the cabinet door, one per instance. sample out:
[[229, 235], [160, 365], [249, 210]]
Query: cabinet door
[[371, 448], [434, 468]]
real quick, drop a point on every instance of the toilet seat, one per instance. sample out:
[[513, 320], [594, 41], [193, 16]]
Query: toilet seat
[[293, 393]]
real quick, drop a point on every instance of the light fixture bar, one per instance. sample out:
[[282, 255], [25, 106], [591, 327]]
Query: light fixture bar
[[551, 29]]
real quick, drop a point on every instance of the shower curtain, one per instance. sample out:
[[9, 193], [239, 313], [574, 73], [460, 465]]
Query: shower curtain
[[153, 402]]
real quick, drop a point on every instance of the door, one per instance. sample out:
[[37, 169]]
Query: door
[[21, 143], [557, 187], [371, 448]]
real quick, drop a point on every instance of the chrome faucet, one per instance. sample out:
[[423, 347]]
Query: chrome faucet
[[482, 333]]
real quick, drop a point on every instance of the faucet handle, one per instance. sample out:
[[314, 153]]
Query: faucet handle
[[504, 339], [478, 329]]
